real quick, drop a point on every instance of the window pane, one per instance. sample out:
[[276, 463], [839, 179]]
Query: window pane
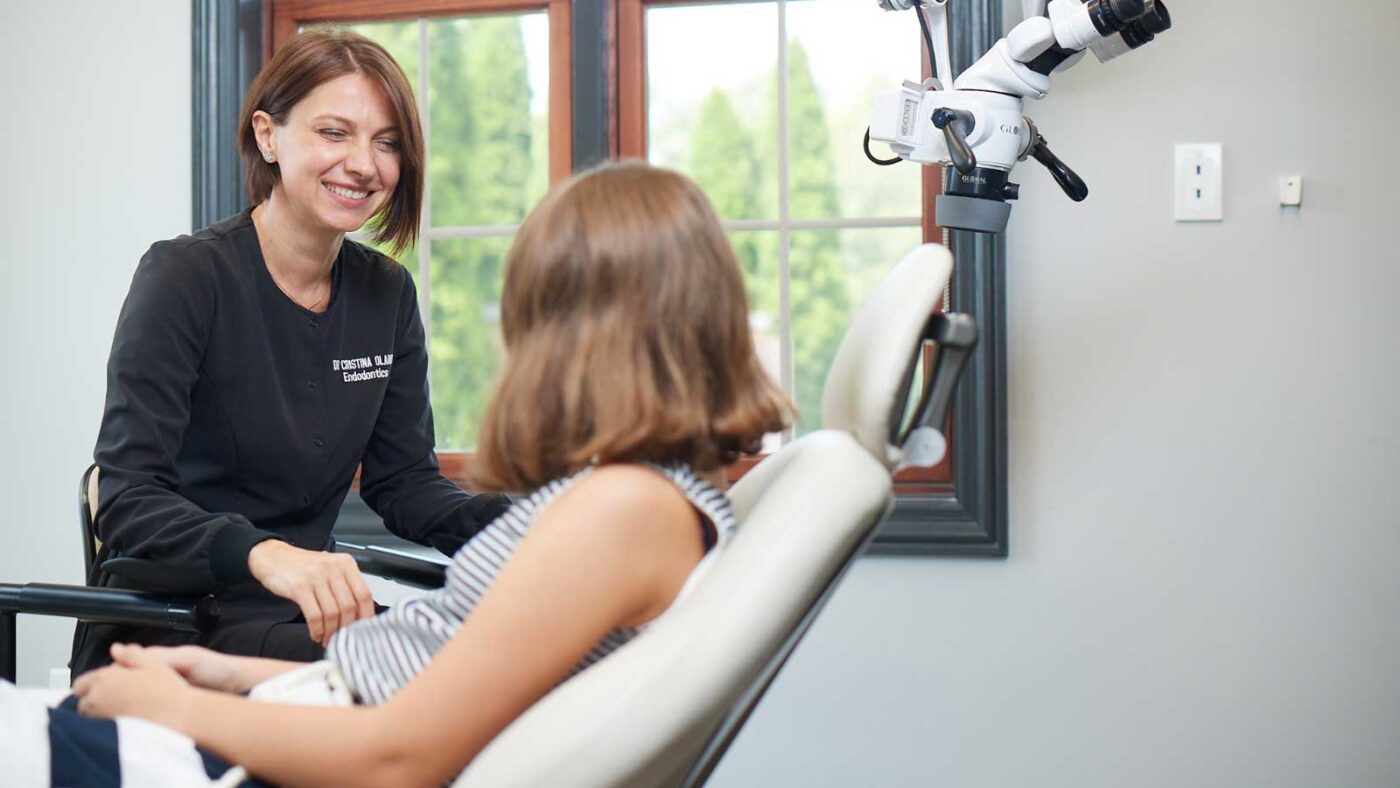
[[488, 100], [711, 84], [757, 253], [832, 273], [408, 258], [400, 40], [465, 293], [840, 54]]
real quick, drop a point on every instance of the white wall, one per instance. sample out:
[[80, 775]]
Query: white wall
[[95, 135], [1203, 586]]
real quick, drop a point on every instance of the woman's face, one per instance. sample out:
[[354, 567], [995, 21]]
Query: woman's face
[[338, 153]]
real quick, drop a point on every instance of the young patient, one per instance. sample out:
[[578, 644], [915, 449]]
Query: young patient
[[629, 380]]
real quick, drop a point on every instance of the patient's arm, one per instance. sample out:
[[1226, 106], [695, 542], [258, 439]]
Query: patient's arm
[[613, 551]]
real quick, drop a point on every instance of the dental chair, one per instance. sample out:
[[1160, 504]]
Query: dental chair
[[662, 710]]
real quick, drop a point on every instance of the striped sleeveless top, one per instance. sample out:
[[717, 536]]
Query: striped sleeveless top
[[380, 655]]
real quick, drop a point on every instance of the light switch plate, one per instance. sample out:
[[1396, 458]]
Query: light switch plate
[[1200, 182]]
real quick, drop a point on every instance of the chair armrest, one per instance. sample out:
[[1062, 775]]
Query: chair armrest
[[98, 605], [110, 605], [396, 565]]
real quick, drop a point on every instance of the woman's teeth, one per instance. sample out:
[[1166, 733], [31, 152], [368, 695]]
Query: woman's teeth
[[348, 193]]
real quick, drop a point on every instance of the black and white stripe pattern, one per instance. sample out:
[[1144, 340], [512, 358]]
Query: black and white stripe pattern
[[378, 656]]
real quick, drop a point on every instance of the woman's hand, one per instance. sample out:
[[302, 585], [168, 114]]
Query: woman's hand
[[328, 587], [137, 685]]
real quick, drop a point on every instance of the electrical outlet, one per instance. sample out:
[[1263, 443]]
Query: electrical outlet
[[1290, 190], [1200, 183]]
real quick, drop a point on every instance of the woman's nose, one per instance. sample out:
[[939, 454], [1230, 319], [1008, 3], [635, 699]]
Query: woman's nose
[[360, 159]]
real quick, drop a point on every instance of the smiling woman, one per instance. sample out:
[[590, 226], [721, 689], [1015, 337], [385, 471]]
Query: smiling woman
[[334, 113], [232, 429]]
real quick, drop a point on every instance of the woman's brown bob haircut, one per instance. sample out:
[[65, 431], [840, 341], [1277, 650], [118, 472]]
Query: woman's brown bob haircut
[[309, 60], [627, 335]]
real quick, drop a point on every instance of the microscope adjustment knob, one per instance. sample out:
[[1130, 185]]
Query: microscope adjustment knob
[[956, 125], [1069, 180]]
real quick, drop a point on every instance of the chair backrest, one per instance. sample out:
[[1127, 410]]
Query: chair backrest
[[662, 709], [87, 518], [868, 384]]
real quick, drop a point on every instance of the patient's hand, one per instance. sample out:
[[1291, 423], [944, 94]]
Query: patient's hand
[[200, 666], [138, 685], [213, 670]]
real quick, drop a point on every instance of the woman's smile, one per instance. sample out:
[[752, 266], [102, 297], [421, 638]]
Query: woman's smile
[[348, 196]]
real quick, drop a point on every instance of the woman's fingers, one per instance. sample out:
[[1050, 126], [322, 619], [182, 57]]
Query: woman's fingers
[[307, 599], [362, 594], [134, 655], [330, 611], [364, 600], [345, 598], [84, 682]]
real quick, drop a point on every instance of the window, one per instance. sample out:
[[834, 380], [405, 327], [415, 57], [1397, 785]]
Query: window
[[764, 103], [772, 130], [656, 79]]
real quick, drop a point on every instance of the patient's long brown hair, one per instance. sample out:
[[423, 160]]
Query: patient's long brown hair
[[627, 335]]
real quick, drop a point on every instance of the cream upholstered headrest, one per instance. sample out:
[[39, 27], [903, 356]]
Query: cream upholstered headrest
[[867, 379]]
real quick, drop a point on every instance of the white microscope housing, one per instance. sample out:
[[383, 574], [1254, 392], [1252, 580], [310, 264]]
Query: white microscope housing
[[975, 126]]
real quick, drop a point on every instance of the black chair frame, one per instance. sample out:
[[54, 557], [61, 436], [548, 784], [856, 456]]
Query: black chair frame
[[92, 603]]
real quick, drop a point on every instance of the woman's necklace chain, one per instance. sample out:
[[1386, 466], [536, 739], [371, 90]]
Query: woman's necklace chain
[[309, 307], [257, 222]]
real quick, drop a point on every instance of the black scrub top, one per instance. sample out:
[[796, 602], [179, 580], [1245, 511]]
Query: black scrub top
[[234, 415]]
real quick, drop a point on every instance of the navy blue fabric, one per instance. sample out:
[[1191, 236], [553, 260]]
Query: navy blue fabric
[[82, 750], [214, 766]]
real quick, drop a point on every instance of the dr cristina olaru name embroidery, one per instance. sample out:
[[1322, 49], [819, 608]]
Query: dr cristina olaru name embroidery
[[354, 370]]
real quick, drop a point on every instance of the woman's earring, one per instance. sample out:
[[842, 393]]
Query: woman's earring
[[267, 155]]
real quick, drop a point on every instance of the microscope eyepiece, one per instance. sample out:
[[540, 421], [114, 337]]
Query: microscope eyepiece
[[1142, 30], [1128, 10], [1112, 16], [1156, 19]]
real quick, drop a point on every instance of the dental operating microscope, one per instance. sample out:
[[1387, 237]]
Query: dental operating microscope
[[974, 125]]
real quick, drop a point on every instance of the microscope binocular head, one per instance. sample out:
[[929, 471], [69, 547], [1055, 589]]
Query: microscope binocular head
[[1108, 27], [1137, 33]]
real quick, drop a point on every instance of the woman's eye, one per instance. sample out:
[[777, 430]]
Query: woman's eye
[[332, 134], [389, 145]]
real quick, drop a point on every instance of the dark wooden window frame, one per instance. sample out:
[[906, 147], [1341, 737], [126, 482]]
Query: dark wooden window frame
[[961, 513]]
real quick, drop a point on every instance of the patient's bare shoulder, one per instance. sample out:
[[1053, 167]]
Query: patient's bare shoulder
[[639, 518]]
